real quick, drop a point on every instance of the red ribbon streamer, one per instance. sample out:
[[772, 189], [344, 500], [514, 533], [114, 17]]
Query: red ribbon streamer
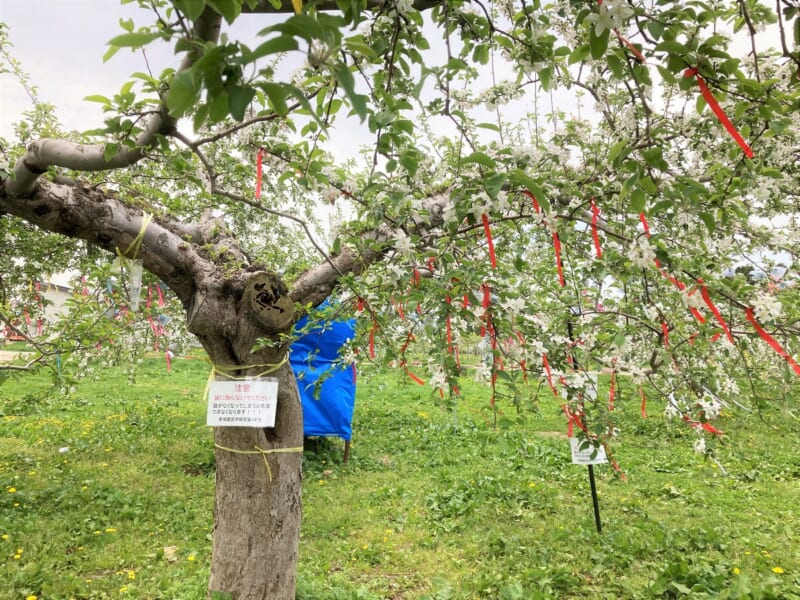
[[718, 112], [643, 219], [771, 341], [359, 304], [488, 231], [644, 403], [160, 295], [630, 46], [414, 377], [714, 310], [665, 332], [612, 390], [595, 235], [549, 375], [557, 247], [168, 360], [259, 162], [533, 200]]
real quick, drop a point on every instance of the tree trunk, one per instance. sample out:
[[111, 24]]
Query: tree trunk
[[257, 504]]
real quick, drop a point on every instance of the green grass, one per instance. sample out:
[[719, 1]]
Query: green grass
[[435, 502]]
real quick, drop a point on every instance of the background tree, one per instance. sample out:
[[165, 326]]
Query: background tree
[[574, 182]]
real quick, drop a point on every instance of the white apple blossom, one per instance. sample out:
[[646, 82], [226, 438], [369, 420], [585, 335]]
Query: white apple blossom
[[766, 307], [641, 253]]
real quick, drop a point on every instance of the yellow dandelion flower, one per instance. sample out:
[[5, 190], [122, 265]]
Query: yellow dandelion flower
[[191, 558], [12, 490], [31, 597], [110, 529], [17, 557], [532, 484], [123, 589], [777, 570], [20, 551], [4, 536], [131, 575], [736, 570]]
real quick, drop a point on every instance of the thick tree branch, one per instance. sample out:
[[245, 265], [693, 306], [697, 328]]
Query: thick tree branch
[[87, 213]]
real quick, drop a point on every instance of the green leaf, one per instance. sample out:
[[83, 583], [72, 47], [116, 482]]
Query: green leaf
[[648, 186], [638, 200], [598, 44], [494, 183], [239, 99], [519, 178], [109, 151], [110, 52], [98, 98], [229, 9], [218, 107], [183, 93], [302, 26], [275, 45], [579, 54], [655, 158], [191, 8], [672, 47], [710, 222], [134, 40], [480, 158], [410, 161], [277, 93], [345, 78], [616, 149]]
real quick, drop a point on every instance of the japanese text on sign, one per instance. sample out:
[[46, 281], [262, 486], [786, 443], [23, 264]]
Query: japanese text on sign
[[590, 455], [249, 403]]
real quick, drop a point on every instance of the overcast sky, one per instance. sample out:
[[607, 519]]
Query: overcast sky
[[61, 43]]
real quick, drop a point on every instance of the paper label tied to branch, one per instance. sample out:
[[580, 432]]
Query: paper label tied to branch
[[247, 403], [585, 456]]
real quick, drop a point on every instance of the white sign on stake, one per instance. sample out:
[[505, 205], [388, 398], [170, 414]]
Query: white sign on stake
[[247, 403], [584, 457]]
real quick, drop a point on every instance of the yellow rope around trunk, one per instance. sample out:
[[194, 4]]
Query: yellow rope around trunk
[[263, 453]]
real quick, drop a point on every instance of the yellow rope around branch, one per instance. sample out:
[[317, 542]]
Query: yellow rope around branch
[[136, 245], [269, 368], [263, 453]]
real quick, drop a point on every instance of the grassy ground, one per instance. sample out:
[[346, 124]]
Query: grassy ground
[[107, 493]]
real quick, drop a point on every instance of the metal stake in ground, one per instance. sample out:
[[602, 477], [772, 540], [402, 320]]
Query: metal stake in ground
[[592, 485]]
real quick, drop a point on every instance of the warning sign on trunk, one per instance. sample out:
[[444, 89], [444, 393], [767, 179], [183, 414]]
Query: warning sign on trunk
[[247, 403]]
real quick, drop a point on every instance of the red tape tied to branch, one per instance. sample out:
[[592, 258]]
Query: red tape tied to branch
[[534, 201], [612, 390], [414, 378], [259, 163], [665, 333], [644, 403], [549, 375], [771, 341], [595, 235], [488, 231], [630, 46], [559, 266], [718, 112], [714, 311], [646, 227]]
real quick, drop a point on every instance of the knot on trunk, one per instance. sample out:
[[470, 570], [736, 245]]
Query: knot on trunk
[[267, 299]]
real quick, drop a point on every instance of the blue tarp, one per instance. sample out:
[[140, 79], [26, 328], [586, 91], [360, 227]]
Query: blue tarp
[[313, 357]]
